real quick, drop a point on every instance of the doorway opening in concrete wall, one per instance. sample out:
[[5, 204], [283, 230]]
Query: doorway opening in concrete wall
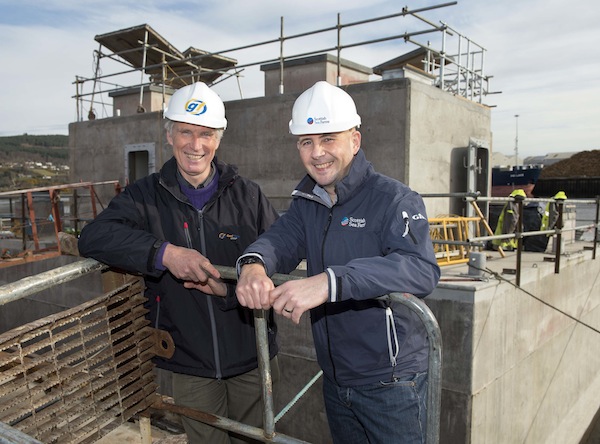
[[139, 161]]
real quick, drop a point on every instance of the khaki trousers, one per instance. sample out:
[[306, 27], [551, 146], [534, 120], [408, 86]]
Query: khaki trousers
[[238, 398]]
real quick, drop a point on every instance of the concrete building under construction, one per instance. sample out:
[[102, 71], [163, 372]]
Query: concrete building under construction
[[514, 336]]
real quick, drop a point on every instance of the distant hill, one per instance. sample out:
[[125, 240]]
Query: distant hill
[[50, 148], [50, 157]]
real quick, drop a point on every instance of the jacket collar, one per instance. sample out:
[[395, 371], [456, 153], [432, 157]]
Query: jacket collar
[[360, 170], [168, 175]]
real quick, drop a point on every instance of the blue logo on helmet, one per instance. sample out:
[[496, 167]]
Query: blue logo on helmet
[[310, 121], [195, 107]]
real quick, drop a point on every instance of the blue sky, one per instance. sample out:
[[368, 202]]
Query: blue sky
[[543, 55]]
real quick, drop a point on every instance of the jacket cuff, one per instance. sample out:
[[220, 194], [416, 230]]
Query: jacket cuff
[[158, 262], [335, 286], [156, 255]]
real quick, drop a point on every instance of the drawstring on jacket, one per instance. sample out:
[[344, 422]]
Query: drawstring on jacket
[[392, 336]]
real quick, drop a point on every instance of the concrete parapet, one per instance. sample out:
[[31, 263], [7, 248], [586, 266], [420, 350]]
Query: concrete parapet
[[517, 365]]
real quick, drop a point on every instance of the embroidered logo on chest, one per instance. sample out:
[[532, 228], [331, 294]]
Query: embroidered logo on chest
[[229, 236], [354, 222]]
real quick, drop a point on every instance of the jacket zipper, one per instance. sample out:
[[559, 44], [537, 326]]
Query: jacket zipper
[[211, 312], [325, 232]]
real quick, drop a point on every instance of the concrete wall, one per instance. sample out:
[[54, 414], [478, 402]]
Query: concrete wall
[[410, 132], [301, 74], [98, 151], [440, 127], [126, 101], [515, 369]]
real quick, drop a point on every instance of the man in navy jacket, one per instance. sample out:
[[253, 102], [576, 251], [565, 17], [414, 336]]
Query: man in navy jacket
[[363, 235]]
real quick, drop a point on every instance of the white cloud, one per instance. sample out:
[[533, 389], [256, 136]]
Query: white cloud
[[540, 53]]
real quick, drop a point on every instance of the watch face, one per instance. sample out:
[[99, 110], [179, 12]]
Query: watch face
[[251, 260]]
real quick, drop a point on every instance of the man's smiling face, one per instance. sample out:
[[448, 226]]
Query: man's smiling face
[[327, 157], [194, 148]]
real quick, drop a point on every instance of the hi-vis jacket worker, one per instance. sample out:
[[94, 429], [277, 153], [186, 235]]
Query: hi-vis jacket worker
[[507, 221], [364, 235], [550, 216]]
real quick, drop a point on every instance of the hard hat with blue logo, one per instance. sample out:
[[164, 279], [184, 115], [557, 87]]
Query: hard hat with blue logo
[[197, 104], [323, 109]]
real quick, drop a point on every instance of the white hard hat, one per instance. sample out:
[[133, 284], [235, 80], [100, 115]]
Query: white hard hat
[[197, 104], [323, 108]]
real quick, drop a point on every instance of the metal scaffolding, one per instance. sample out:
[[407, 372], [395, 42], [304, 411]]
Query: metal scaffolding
[[458, 65]]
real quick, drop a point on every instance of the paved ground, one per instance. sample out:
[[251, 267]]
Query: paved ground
[[129, 433]]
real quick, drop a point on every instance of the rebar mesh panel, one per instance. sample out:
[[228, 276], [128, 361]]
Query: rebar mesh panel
[[74, 376]]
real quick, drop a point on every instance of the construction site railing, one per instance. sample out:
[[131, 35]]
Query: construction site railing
[[519, 233], [31, 285], [39, 221]]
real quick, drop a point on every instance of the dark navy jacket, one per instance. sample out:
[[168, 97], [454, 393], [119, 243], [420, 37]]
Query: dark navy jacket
[[214, 337], [373, 241]]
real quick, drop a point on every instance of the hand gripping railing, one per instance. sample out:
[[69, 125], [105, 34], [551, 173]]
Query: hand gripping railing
[[434, 382], [31, 285]]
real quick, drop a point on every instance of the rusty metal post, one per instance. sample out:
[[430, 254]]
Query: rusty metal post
[[54, 195], [93, 199], [225, 423], [264, 368], [75, 213], [519, 234], [23, 223], [559, 226], [34, 233], [596, 228]]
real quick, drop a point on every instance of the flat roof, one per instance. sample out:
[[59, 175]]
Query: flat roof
[[181, 67]]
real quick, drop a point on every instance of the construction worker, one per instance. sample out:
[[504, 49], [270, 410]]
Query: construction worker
[[550, 216], [507, 221], [364, 235]]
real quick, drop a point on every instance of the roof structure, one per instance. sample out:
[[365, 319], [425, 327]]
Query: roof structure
[[142, 47], [421, 58]]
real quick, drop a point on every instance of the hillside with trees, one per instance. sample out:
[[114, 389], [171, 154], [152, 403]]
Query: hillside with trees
[[29, 161]]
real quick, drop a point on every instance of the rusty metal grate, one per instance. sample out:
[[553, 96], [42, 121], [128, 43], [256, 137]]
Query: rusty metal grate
[[74, 376]]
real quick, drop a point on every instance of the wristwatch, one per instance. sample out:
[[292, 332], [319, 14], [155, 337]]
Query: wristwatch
[[250, 260], [247, 260]]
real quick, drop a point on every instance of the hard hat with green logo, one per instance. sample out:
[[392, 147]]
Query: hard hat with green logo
[[323, 109], [197, 104]]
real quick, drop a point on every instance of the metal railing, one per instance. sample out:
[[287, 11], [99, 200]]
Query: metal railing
[[31, 285], [519, 234], [38, 215]]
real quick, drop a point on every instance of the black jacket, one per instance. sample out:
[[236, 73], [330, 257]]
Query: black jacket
[[214, 337]]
